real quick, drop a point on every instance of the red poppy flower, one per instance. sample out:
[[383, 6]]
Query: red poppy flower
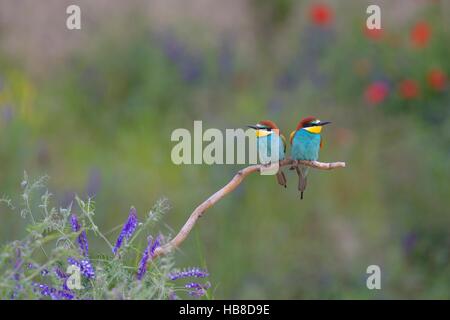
[[374, 34], [437, 79], [376, 92], [321, 14], [420, 34], [409, 89]]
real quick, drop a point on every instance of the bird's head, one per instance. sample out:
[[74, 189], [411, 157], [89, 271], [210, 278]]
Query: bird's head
[[265, 128], [310, 124]]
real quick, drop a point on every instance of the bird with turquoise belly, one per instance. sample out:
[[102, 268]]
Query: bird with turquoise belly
[[306, 142], [266, 131]]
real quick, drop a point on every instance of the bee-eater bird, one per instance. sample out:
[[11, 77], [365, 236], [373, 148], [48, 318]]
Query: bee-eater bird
[[267, 130], [305, 145]]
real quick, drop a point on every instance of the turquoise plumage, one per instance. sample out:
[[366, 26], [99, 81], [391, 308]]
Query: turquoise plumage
[[266, 131], [265, 148], [305, 145]]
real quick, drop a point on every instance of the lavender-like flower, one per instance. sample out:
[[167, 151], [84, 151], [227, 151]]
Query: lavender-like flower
[[196, 285], [82, 238], [155, 245], [54, 293], [148, 254], [188, 273], [127, 230], [142, 268], [62, 276], [85, 266], [197, 293], [18, 264], [17, 273], [198, 288], [60, 273]]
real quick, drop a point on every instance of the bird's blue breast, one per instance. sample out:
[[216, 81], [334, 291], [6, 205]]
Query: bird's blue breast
[[305, 145], [265, 148]]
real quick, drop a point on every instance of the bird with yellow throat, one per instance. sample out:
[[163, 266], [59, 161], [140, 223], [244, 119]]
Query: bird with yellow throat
[[266, 131], [306, 141]]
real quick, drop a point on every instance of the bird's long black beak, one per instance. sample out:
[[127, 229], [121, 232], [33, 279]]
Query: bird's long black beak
[[324, 123], [253, 127]]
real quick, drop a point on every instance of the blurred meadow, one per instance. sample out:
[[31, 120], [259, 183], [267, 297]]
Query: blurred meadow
[[94, 110]]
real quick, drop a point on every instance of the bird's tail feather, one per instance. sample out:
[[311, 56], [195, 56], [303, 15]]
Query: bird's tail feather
[[302, 172], [281, 178]]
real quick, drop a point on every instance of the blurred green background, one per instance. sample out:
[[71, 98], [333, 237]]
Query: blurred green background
[[94, 109]]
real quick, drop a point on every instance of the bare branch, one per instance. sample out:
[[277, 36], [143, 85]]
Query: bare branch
[[229, 187]]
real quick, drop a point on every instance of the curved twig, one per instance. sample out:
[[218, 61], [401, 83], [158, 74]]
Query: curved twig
[[229, 187]]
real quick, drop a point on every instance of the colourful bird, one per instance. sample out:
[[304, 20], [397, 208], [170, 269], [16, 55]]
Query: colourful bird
[[305, 145], [267, 130]]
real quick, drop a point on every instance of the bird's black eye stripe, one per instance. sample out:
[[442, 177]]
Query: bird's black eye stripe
[[311, 124]]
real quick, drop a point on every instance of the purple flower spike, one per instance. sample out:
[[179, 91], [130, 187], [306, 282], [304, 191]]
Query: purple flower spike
[[54, 293], [19, 261], [143, 263], [156, 244], [85, 267], [148, 254], [63, 277], [197, 293], [198, 289], [189, 273], [82, 238], [127, 230], [60, 273], [195, 285], [16, 276]]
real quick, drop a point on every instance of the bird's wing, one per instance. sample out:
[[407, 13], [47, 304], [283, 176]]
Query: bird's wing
[[291, 136], [284, 142], [321, 142]]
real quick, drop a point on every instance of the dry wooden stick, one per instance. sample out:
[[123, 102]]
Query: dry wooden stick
[[229, 187]]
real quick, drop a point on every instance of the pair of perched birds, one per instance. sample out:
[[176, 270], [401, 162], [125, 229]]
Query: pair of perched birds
[[305, 141]]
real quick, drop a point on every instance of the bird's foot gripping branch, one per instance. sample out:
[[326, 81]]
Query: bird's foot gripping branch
[[230, 187]]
